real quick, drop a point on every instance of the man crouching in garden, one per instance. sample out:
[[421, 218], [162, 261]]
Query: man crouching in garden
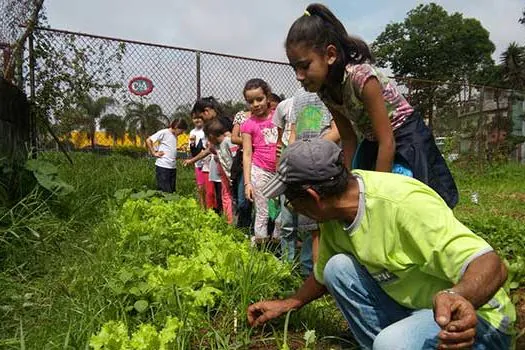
[[405, 273]]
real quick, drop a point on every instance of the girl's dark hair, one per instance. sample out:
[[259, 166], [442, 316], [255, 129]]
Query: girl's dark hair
[[179, 123], [214, 128], [255, 84], [207, 102], [275, 97], [319, 27]]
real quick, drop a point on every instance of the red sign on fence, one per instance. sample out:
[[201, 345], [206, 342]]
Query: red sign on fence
[[140, 86]]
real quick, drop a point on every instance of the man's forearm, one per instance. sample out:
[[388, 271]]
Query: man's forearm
[[309, 291], [482, 279]]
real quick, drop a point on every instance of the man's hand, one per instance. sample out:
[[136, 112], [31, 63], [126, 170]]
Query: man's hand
[[158, 154], [187, 162], [264, 311], [457, 318]]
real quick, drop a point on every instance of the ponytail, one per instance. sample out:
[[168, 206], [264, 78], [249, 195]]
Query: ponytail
[[319, 27]]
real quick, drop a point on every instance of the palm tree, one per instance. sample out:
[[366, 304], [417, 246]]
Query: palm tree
[[114, 125], [513, 66], [145, 119], [90, 112]]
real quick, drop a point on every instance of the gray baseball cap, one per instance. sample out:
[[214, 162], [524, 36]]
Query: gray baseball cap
[[306, 162]]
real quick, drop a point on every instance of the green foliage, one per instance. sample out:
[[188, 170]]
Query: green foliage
[[114, 125], [131, 151], [144, 120], [114, 336], [498, 217], [189, 258], [120, 265], [513, 66], [230, 108], [47, 176], [431, 44], [69, 70]]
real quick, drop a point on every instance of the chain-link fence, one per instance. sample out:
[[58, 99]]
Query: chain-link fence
[[470, 119], [67, 66], [75, 63]]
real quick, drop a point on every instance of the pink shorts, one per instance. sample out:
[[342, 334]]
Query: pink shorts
[[200, 177]]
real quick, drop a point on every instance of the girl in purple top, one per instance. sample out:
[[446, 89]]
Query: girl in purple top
[[340, 68], [259, 143]]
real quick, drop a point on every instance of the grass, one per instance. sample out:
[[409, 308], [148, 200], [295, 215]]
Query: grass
[[55, 254], [499, 215]]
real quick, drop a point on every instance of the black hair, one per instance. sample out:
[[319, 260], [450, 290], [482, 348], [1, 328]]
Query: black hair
[[196, 116], [179, 123], [275, 97], [255, 84], [325, 189], [318, 28], [207, 102], [214, 128]]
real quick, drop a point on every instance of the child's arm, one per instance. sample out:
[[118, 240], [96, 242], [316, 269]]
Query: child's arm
[[247, 165], [293, 134], [198, 157], [226, 157], [348, 136], [280, 143], [333, 133], [236, 134], [151, 148], [374, 102]]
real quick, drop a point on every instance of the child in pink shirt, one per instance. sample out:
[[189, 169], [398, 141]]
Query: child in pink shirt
[[259, 142]]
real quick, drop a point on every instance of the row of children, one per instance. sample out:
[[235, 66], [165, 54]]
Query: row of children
[[373, 122], [244, 152]]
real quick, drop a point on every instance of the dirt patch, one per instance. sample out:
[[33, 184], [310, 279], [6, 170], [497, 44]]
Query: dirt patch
[[518, 196], [296, 342]]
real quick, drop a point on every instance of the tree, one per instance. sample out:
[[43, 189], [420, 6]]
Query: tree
[[230, 108], [522, 19], [18, 13], [430, 44], [145, 119], [90, 112], [183, 111], [70, 67], [513, 66], [115, 126]]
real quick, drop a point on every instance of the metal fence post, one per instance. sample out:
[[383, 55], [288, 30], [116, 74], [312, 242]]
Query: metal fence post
[[198, 56]]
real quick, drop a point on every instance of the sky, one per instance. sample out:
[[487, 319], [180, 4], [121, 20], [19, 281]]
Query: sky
[[258, 28]]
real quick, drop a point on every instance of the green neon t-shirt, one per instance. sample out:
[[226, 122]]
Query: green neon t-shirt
[[411, 243]]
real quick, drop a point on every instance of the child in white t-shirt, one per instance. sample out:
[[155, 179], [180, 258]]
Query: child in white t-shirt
[[163, 146], [197, 144]]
